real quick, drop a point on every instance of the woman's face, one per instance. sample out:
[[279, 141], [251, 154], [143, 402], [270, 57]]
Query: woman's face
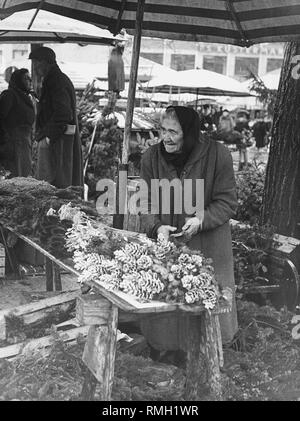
[[26, 81], [171, 135]]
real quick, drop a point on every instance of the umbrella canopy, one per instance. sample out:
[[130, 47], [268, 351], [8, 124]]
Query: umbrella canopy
[[50, 27], [197, 81], [225, 21]]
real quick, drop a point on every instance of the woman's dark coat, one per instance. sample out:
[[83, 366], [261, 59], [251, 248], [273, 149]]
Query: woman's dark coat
[[16, 120], [60, 163], [212, 162]]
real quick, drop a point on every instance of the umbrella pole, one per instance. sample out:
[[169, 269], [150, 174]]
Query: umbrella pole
[[197, 92], [121, 188]]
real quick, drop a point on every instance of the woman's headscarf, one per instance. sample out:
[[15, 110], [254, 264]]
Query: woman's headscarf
[[190, 124], [16, 80]]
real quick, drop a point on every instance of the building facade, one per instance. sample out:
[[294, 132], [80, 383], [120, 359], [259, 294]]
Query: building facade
[[230, 60]]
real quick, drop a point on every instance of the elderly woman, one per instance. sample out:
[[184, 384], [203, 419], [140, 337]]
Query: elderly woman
[[17, 116], [184, 153]]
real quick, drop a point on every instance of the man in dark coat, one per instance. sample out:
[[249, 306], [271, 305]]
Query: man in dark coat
[[183, 153], [59, 154]]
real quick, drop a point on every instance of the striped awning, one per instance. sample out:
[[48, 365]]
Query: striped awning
[[240, 22]]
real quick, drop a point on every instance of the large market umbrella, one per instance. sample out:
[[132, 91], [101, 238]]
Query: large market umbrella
[[50, 27], [197, 81], [226, 21]]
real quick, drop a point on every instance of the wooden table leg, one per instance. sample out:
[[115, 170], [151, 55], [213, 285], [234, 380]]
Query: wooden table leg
[[53, 277], [49, 274], [56, 277], [99, 355], [202, 371], [89, 387]]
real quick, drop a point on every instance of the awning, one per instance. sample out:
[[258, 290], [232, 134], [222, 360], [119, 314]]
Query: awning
[[197, 81]]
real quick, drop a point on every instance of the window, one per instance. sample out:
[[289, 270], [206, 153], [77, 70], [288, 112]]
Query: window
[[157, 57], [182, 61], [273, 64], [244, 66], [215, 64], [19, 54]]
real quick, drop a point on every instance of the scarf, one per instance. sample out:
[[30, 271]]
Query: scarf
[[190, 124]]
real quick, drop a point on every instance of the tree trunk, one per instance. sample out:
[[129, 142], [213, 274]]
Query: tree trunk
[[282, 186]]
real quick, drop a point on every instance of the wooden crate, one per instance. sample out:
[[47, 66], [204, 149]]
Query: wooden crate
[[2, 261]]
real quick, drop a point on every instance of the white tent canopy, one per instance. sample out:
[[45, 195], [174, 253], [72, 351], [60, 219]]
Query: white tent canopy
[[197, 81], [270, 80]]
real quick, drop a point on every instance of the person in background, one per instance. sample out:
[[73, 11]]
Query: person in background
[[184, 153], [219, 112], [17, 115], [215, 117], [59, 149], [206, 121], [242, 126], [260, 131], [226, 123], [268, 122]]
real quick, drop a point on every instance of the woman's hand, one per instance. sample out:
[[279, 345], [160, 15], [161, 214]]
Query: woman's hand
[[165, 230], [191, 227]]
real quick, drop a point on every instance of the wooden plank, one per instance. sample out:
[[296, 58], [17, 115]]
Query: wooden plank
[[262, 289], [44, 252], [284, 239], [92, 310], [129, 303], [99, 356], [33, 311], [35, 344]]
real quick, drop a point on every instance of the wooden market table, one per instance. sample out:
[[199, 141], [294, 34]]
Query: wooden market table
[[101, 311]]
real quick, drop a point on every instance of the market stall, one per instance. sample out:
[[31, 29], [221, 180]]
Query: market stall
[[127, 273]]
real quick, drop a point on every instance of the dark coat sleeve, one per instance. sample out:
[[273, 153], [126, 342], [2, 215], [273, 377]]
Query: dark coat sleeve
[[62, 112], [6, 103], [223, 203], [150, 221]]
